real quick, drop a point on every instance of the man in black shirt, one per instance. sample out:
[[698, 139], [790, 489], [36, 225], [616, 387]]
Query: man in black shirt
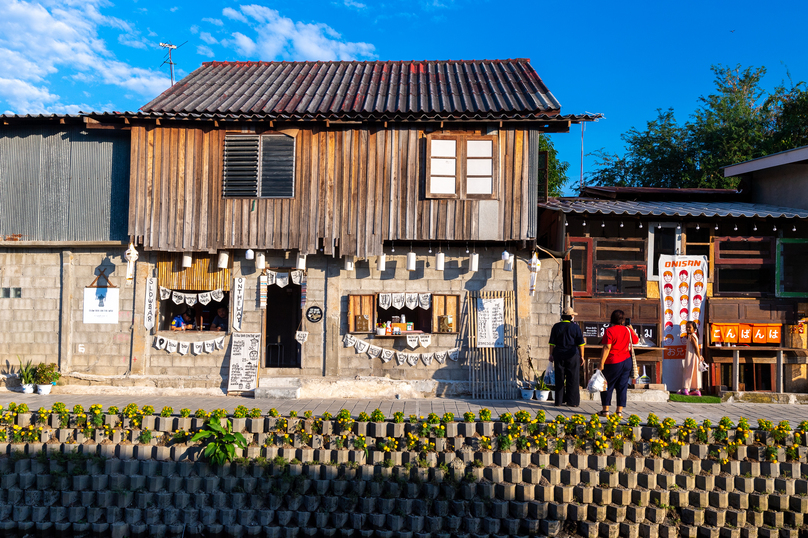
[[567, 355]]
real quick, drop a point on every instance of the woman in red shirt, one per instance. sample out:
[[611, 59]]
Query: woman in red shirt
[[615, 362]]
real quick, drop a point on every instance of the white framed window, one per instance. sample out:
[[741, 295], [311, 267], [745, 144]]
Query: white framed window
[[663, 238], [461, 166]]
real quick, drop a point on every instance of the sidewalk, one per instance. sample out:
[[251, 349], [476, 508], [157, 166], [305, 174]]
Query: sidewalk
[[421, 407]]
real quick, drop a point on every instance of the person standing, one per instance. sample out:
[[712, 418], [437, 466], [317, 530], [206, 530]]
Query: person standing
[[616, 363], [691, 376], [567, 355]]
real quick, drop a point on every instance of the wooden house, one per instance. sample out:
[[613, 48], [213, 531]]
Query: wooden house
[[340, 170], [752, 299]]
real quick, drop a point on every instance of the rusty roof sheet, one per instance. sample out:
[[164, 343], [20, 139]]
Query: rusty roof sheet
[[671, 209], [402, 90]]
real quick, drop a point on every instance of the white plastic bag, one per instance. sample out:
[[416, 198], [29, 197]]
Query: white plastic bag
[[549, 376], [703, 366], [597, 383]]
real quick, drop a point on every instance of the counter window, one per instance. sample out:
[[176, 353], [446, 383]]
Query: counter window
[[203, 315], [792, 259], [744, 266], [442, 316]]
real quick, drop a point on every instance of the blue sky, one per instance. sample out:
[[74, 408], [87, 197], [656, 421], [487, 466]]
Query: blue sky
[[621, 59]]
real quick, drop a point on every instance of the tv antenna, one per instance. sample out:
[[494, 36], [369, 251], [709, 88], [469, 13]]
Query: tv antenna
[[170, 62]]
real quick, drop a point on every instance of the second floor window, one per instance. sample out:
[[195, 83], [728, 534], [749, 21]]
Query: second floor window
[[461, 166], [258, 166]]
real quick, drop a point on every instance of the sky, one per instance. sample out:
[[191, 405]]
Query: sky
[[624, 60]]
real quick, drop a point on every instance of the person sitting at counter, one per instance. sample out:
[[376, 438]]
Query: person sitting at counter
[[219, 322], [183, 322]]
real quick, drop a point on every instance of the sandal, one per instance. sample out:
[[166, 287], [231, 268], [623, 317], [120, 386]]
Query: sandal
[[619, 414], [603, 413]]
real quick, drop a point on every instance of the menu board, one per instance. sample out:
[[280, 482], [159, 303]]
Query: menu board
[[490, 323], [245, 359], [593, 333]]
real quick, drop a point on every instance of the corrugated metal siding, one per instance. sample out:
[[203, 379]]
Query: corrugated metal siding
[[671, 209], [63, 183]]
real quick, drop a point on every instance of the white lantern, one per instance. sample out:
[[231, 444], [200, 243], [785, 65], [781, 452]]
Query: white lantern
[[187, 259], [474, 262], [411, 261], [348, 264], [250, 254], [505, 255], [260, 260], [301, 261], [223, 258], [131, 258], [509, 263], [381, 263], [439, 261]]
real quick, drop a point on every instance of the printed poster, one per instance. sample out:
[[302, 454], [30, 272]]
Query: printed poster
[[245, 359], [101, 305], [682, 289], [490, 322]]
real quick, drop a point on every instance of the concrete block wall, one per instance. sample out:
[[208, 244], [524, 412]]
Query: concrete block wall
[[545, 311]]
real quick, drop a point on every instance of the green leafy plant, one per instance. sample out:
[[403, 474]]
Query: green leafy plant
[[377, 416], [145, 436], [468, 417], [201, 413], [240, 412], [447, 417], [273, 413], [293, 414], [113, 410], [22, 408], [540, 384], [185, 412], [218, 413], [485, 415], [503, 442], [220, 441], [46, 374], [633, 421], [433, 418], [166, 412], [327, 416], [363, 417], [398, 417], [255, 413], [26, 373], [307, 415], [652, 420], [148, 410]]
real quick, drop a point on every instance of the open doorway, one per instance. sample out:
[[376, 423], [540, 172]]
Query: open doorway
[[283, 320]]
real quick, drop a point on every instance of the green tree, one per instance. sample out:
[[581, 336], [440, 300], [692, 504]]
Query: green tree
[[556, 168]]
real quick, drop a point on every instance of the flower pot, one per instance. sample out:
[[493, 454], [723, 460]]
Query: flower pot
[[44, 389], [542, 395], [28, 388], [527, 394]]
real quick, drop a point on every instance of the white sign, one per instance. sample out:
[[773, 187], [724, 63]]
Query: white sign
[[151, 298], [238, 302], [245, 358], [101, 305], [490, 322]]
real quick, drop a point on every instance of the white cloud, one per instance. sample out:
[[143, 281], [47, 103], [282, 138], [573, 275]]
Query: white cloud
[[173, 9], [354, 4], [209, 39], [204, 50], [215, 22], [278, 37], [39, 40]]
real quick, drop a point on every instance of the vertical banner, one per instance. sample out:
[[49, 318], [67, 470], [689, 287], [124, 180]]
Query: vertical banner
[[151, 299], [238, 302], [490, 322], [262, 291], [682, 289]]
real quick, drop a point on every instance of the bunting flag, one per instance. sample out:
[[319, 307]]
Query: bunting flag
[[398, 300], [301, 337], [190, 299], [196, 348], [361, 346], [348, 340], [412, 341], [440, 356], [165, 293], [217, 295], [208, 346], [297, 277], [171, 346], [219, 342], [425, 339], [387, 354], [411, 300], [425, 300], [159, 342], [400, 358], [374, 351], [426, 358], [282, 280], [177, 297], [183, 347], [205, 297], [262, 291], [412, 359], [384, 301], [271, 278], [454, 354]]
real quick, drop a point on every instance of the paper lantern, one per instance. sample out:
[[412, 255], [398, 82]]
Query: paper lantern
[[509, 263], [301, 261], [187, 259], [260, 260], [223, 258], [250, 254], [474, 262], [439, 261], [381, 263], [348, 263], [411, 261], [505, 255]]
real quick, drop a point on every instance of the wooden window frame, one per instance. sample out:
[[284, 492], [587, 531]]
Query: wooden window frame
[[620, 267], [718, 260], [461, 159], [259, 164], [717, 292], [455, 314], [651, 263], [355, 299], [588, 263], [779, 266]]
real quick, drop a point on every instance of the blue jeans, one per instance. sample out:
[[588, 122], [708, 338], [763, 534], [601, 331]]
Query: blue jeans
[[617, 376]]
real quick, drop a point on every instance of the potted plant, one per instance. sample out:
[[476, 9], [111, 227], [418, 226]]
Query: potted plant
[[542, 390], [26, 376], [45, 376], [527, 391]]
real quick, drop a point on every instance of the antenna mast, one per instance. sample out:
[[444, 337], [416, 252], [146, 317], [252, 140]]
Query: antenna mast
[[170, 48]]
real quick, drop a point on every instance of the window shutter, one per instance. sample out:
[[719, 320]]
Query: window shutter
[[479, 167], [364, 306], [240, 175], [444, 313], [277, 166]]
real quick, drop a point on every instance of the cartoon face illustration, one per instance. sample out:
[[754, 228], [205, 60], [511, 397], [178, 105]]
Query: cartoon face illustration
[[695, 313], [668, 289], [668, 326], [683, 301], [698, 287], [668, 302], [668, 315], [697, 301], [668, 276], [683, 326], [683, 287], [682, 275], [698, 275], [668, 339], [683, 313]]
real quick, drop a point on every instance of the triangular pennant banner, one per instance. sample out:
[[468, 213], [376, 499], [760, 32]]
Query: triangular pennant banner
[[196, 348], [426, 358], [208, 346], [400, 358], [398, 300], [440, 356], [183, 348], [282, 280], [374, 351], [301, 337], [177, 297], [454, 354], [190, 299], [348, 340], [205, 298], [387, 354], [412, 341], [171, 346], [219, 342], [425, 339], [296, 277], [411, 300], [361, 346], [217, 295], [159, 342], [165, 293], [412, 359], [384, 301], [271, 278], [425, 300]]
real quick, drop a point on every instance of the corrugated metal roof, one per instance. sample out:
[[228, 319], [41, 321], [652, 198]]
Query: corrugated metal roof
[[484, 89], [671, 209]]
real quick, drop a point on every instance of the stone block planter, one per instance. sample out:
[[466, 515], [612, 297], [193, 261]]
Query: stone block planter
[[165, 424]]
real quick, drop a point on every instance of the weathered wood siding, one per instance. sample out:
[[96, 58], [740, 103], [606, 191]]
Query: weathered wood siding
[[354, 189]]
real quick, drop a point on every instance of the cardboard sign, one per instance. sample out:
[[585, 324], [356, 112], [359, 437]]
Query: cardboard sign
[[245, 358]]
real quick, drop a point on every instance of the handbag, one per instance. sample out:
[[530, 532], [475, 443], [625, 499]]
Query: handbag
[[635, 370]]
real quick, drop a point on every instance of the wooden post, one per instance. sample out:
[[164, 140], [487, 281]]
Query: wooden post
[[736, 366], [779, 372]]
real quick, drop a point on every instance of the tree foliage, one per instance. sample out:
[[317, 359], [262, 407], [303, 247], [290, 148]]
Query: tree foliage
[[556, 168], [738, 122]]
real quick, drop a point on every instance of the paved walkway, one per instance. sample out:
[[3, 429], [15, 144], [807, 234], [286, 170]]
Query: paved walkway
[[421, 407]]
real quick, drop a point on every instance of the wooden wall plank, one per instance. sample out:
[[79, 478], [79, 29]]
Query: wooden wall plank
[[136, 196], [516, 170]]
